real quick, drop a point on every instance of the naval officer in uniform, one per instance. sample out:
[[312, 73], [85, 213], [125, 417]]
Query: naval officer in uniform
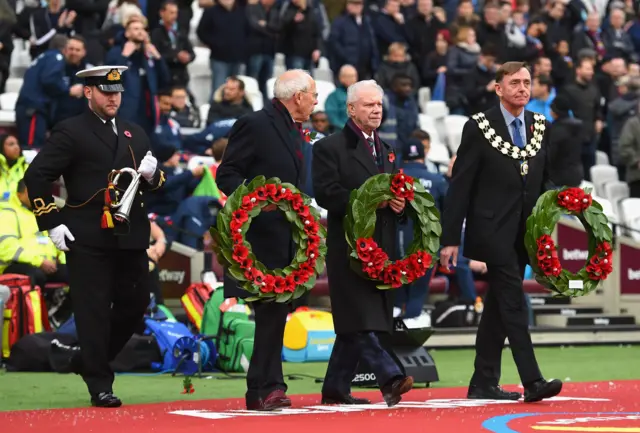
[[106, 257]]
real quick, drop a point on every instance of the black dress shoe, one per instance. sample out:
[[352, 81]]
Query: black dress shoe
[[392, 393], [491, 393], [105, 399], [343, 399], [542, 389]]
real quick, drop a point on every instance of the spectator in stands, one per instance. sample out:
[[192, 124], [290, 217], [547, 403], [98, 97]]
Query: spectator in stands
[[23, 248], [12, 166], [411, 297], [301, 36], [463, 57], [611, 70], [397, 63], [336, 103], [7, 31], [541, 97], [179, 183], [167, 132], [629, 145], [491, 30], [43, 22], [88, 23], [389, 26], [565, 158], [634, 70], [185, 12], [156, 250], [563, 64], [621, 110], [147, 74], [69, 106], [229, 102], [561, 19], [464, 18], [401, 113], [425, 139], [44, 83], [480, 84], [422, 31], [172, 44], [264, 29], [223, 29], [352, 41], [183, 111], [320, 123], [119, 13], [617, 41], [435, 63], [588, 36], [585, 104]]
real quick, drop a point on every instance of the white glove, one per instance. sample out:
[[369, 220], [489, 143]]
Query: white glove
[[148, 167], [58, 234]]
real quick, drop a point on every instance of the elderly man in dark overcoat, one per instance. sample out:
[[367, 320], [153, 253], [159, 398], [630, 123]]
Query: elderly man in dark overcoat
[[268, 143], [342, 162]]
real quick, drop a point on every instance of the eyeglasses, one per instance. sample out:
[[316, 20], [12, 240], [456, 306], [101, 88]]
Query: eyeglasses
[[315, 95]]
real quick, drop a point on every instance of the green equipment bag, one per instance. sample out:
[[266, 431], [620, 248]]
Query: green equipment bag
[[228, 321]]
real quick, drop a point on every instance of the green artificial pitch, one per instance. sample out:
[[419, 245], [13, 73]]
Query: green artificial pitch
[[19, 391]]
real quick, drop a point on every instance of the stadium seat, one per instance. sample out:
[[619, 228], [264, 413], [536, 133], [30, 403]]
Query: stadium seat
[[600, 175], [250, 84], [428, 123], [270, 82], [257, 101], [204, 113], [437, 109], [453, 124], [13, 85], [324, 89], [8, 101], [424, 96], [631, 211], [615, 192], [439, 153], [602, 158]]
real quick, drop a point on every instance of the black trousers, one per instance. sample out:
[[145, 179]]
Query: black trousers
[[505, 314], [37, 275], [348, 350], [265, 369], [109, 296]]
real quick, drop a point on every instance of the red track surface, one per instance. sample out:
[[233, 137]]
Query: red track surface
[[586, 407]]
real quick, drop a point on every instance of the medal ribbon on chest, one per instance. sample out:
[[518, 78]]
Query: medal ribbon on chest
[[511, 150]]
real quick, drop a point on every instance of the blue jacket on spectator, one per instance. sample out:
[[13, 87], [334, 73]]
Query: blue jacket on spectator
[[44, 84], [203, 140], [68, 106], [350, 44], [166, 134], [139, 99], [400, 120], [217, 20], [336, 107]]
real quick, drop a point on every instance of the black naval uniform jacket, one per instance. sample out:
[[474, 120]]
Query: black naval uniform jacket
[[83, 150]]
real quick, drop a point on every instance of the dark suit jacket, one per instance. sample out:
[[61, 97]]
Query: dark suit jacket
[[342, 163], [81, 150], [262, 143], [487, 189]]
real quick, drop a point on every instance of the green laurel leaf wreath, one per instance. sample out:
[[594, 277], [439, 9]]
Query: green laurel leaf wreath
[[370, 261], [234, 252], [542, 251]]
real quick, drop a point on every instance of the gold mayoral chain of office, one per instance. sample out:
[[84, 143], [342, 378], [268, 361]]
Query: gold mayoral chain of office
[[506, 148]]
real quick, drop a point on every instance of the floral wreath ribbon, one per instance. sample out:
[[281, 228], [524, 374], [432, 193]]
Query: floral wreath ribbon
[[513, 151]]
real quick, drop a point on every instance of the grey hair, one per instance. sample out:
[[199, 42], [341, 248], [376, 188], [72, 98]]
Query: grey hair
[[290, 83], [354, 89]]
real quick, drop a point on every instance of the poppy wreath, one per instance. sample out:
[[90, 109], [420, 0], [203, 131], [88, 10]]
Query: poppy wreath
[[234, 252], [367, 258], [542, 250]]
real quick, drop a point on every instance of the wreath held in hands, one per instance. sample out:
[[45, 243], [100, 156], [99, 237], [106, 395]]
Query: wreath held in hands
[[234, 253], [371, 261], [542, 250]]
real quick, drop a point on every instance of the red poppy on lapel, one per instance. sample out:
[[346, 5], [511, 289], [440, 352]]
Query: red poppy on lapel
[[531, 128], [127, 134], [392, 157]]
